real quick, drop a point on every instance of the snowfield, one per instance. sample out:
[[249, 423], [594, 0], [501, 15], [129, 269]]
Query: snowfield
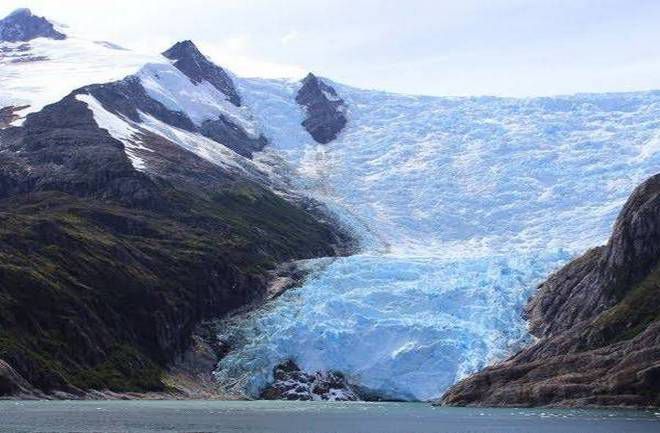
[[43, 71], [464, 206]]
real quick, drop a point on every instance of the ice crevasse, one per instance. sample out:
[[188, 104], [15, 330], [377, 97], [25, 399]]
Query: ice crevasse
[[463, 205]]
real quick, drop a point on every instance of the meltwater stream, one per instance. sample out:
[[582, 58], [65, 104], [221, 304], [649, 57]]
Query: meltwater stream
[[463, 205]]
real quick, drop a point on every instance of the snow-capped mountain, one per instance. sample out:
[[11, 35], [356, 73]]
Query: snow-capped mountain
[[21, 25], [461, 205]]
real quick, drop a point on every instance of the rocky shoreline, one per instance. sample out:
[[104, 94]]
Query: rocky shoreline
[[597, 321]]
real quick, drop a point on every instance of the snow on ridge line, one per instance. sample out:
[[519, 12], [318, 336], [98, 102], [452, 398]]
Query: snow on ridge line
[[119, 129], [200, 102], [51, 69], [129, 133], [201, 146]]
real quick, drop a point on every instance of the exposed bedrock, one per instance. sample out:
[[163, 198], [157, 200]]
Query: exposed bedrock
[[326, 111], [128, 98], [598, 324], [290, 383], [22, 25], [189, 60], [105, 270]]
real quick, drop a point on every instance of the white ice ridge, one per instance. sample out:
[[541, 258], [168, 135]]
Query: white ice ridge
[[468, 202]]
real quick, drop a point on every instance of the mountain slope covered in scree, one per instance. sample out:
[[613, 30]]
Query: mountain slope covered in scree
[[464, 205]]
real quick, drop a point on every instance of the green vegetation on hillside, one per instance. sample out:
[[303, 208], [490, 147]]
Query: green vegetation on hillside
[[98, 295]]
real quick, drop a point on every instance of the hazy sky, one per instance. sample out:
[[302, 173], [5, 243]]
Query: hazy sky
[[435, 47]]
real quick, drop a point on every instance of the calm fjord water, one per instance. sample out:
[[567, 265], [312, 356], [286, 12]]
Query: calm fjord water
[[307, 417]]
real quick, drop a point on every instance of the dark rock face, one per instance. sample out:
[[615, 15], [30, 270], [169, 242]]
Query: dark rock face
[[126, 97], [292, 384], [105, 271], [8, 115], [61, 148], [325, 109], [21, 25], [189, 60], [233, 136], [598, 320], [594, 282]]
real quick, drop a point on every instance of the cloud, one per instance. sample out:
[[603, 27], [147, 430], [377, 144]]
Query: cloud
[[292, 35], [236, 43], [234, 54]]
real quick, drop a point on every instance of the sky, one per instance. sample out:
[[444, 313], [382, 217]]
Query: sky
[[426, 47]]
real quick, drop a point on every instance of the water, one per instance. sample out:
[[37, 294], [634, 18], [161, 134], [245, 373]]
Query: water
[[306, 417]]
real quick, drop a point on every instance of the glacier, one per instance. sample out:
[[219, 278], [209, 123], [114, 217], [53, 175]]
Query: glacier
[[463, 205]]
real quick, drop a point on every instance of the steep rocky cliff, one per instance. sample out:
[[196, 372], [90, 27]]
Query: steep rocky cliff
[[105, 270], [598, 324], [326, 111]]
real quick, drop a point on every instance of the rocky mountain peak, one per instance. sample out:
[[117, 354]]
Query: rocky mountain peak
[[325, 109], [310, 78], [22, 25], [634, 248], [189, 60], [594, 282], [26, 12], [313, 86], [183, 49]]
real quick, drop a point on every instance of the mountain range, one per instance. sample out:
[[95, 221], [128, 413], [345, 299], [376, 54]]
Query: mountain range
[[172, 229]]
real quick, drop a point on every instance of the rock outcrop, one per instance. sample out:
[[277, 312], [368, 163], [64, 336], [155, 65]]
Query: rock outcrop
[[326, 111], [290, 383], [8, 115], [189, 60], [22, 25], [105, 271], [598, 324]]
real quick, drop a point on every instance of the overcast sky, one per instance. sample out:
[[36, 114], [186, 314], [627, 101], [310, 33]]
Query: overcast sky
[[434, 47]]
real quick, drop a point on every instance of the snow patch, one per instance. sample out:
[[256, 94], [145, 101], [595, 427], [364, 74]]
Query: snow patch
[[201, 146], [119, 129], [65, 65], [200, 102]]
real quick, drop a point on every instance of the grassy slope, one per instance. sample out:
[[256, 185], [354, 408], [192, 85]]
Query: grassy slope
[[98, 295], [638, 308]]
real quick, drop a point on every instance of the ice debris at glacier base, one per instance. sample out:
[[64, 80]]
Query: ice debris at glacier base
[[401, 327]]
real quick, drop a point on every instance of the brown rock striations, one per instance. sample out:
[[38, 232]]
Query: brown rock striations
[[598, 324]]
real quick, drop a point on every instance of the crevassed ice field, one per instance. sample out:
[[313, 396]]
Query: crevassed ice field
[[463, 206]]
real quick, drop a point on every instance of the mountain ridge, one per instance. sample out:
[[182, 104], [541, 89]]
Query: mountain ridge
[[180, 191], [114, 249], [21, 26]]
